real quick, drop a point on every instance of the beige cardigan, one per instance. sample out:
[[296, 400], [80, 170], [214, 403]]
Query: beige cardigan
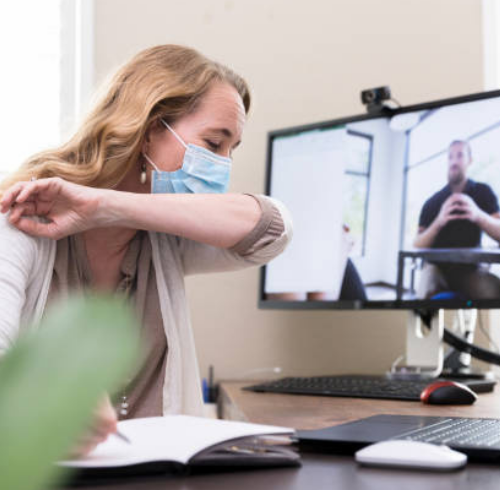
[[26, 267]]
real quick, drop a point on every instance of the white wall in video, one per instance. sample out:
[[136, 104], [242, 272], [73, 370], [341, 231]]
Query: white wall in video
[[308, 176]]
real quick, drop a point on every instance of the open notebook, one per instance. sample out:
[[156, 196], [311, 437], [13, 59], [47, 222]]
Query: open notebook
[[177, 442]]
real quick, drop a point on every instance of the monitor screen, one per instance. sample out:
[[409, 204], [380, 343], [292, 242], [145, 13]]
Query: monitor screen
[[390, 211]]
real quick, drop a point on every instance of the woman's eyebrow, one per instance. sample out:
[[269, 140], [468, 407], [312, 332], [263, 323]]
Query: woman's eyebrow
[[223, 131]]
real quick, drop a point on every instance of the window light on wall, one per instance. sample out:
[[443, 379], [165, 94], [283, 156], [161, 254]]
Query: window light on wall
[[30, 83], [46, 66]]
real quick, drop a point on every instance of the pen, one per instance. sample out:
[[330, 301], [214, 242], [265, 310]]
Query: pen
[[123, 437]]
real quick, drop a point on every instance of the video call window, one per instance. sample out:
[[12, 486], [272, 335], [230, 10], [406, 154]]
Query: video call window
[[364, 191]]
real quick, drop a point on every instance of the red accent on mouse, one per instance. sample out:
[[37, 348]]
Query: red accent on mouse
[[448, 393]]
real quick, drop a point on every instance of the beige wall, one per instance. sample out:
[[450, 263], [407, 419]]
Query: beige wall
[[306, 61]]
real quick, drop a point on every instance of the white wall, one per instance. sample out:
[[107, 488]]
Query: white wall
[[305, 61]]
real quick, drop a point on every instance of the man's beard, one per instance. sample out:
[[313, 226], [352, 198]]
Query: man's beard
[[455, 178]]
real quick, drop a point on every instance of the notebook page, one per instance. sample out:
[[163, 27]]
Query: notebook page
[[171, 438]]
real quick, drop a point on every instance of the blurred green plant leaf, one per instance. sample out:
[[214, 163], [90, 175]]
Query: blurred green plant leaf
[[51, 381]]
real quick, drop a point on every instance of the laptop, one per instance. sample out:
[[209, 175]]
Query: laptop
[[478, 438]]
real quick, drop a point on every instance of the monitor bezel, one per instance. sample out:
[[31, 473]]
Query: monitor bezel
[[427, 305]]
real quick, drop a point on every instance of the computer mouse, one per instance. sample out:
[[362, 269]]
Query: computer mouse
[[411, 454], [448, 393]]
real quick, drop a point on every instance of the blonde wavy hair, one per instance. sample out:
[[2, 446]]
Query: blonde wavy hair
[[166, 81]]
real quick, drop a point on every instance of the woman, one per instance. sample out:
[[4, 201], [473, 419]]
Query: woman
[[132, 203]]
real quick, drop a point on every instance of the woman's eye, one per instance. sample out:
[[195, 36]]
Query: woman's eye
[[212, 145]]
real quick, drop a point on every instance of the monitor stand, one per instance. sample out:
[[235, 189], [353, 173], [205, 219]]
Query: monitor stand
[[457, 365], [425, 358]]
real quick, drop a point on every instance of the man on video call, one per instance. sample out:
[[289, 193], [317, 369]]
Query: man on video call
[[455, 217]]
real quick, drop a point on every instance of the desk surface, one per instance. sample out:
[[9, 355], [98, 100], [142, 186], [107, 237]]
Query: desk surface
[[323, 471], [315, 412]]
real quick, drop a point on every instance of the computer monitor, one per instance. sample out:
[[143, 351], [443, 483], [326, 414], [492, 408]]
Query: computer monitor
[[398, 210]]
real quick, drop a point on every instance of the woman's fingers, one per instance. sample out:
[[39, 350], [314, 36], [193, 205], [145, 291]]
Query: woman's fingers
[[28, 199], [10, 196], [85, 446], [34, 228], [16, 194], [25, 209], [90, 439], [26, 191], [106, 417], [93, 437], [103, 425], [67, 208], [20, 218], [30, 189]]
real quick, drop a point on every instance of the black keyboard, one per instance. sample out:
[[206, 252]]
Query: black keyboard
[[458, 432], [358, 387]]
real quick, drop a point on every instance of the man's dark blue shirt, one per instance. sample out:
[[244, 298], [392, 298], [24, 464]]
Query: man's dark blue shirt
[[459, 232]]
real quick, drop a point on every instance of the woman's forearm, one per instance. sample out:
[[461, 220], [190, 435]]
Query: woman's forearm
[[218, 220]]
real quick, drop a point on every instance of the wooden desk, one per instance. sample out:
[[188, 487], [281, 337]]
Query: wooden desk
[[316, 412], [325, 471]]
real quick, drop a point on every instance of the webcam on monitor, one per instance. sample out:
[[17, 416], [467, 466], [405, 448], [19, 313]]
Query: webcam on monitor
[[374, 99]]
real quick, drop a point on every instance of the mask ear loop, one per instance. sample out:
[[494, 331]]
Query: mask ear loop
[[150, 161], [179, 139]]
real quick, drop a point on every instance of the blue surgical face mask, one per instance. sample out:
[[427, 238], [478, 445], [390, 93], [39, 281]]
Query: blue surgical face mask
[[202, 172]]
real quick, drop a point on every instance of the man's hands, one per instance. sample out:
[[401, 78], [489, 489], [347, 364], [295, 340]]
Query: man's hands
[[458, 206], [68, 208]]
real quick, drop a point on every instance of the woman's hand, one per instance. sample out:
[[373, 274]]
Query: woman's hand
[[67, 208], [103, 425]]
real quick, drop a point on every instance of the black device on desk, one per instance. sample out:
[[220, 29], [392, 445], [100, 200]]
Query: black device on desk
[[478, 438], [362, 190]]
